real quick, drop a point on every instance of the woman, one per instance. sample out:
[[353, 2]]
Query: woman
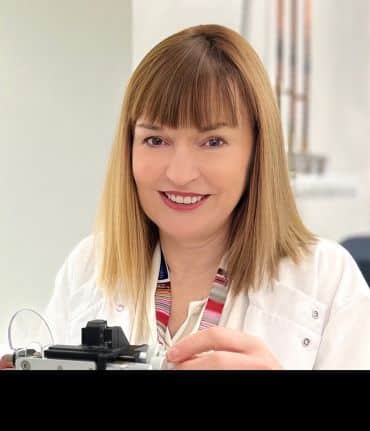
[[198, 242]]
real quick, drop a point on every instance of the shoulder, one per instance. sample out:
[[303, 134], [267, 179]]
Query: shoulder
[[321, 256], [78, 274], [326, 270], [312, 307], [82, 270], [83, 251], [82, 260]]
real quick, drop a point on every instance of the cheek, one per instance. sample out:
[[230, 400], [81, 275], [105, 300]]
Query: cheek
[[143, 168], [232, 177]]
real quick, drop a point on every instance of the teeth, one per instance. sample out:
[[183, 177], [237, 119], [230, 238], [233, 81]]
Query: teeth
[[184, 200]]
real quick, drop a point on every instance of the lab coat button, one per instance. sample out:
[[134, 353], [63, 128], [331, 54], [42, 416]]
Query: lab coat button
[[315, 314], [306, 342], [119, 307]]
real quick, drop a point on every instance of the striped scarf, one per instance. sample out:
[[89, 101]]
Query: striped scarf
[[213, 308]]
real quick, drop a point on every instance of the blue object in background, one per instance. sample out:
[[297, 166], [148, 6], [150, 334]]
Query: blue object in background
[[359, 248]]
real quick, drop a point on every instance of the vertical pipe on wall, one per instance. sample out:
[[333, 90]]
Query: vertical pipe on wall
[[306, 72], [293, 72], [279, 49], [245, 13]]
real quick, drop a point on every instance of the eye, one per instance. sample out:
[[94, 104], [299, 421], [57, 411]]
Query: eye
[[215, 142], [153, 141]]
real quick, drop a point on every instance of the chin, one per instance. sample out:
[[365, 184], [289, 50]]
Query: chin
[[181, 233]]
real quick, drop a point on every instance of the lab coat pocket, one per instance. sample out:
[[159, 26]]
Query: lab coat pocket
[[289, 322]]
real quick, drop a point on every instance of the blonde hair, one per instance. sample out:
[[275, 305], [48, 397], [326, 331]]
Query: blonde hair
[[194, 78]]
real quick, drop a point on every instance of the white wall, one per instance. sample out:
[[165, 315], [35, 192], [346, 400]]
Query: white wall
[[340, 113], [155, 20], [63, 67], [339, 107]]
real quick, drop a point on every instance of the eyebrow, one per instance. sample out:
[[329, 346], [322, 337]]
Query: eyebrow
[[203, 129]]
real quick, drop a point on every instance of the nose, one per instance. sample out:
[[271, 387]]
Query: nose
[[182, 166]]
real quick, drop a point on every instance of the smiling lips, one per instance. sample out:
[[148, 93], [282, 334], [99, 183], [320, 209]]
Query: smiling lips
[[183, 201]]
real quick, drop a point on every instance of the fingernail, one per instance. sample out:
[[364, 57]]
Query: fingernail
[[173, 354]]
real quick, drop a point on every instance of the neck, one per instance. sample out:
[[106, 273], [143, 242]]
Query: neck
[[201, 256]]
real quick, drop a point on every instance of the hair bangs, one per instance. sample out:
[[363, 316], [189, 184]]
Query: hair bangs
[[184, 94]]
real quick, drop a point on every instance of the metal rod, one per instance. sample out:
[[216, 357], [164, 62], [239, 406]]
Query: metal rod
[[279, 47], [245, 19], [306, 73], [293, 71]]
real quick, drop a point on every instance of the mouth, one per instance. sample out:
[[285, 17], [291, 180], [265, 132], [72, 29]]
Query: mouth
[[184, 203]]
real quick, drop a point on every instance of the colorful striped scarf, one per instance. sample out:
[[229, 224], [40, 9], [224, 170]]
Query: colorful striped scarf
[[213, 308]]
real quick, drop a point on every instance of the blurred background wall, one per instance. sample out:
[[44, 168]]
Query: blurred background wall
[[63, 70]]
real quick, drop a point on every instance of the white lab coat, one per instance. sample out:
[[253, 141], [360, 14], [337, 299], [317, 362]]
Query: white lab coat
[[316, 316]]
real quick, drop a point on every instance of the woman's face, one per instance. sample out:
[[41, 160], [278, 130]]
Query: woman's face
[[185, 165]]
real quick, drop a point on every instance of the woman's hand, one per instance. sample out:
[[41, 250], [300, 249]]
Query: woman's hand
[[219, 348]]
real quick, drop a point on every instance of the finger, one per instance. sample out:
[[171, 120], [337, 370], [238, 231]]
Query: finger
[[215, 338], [218, 361]]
